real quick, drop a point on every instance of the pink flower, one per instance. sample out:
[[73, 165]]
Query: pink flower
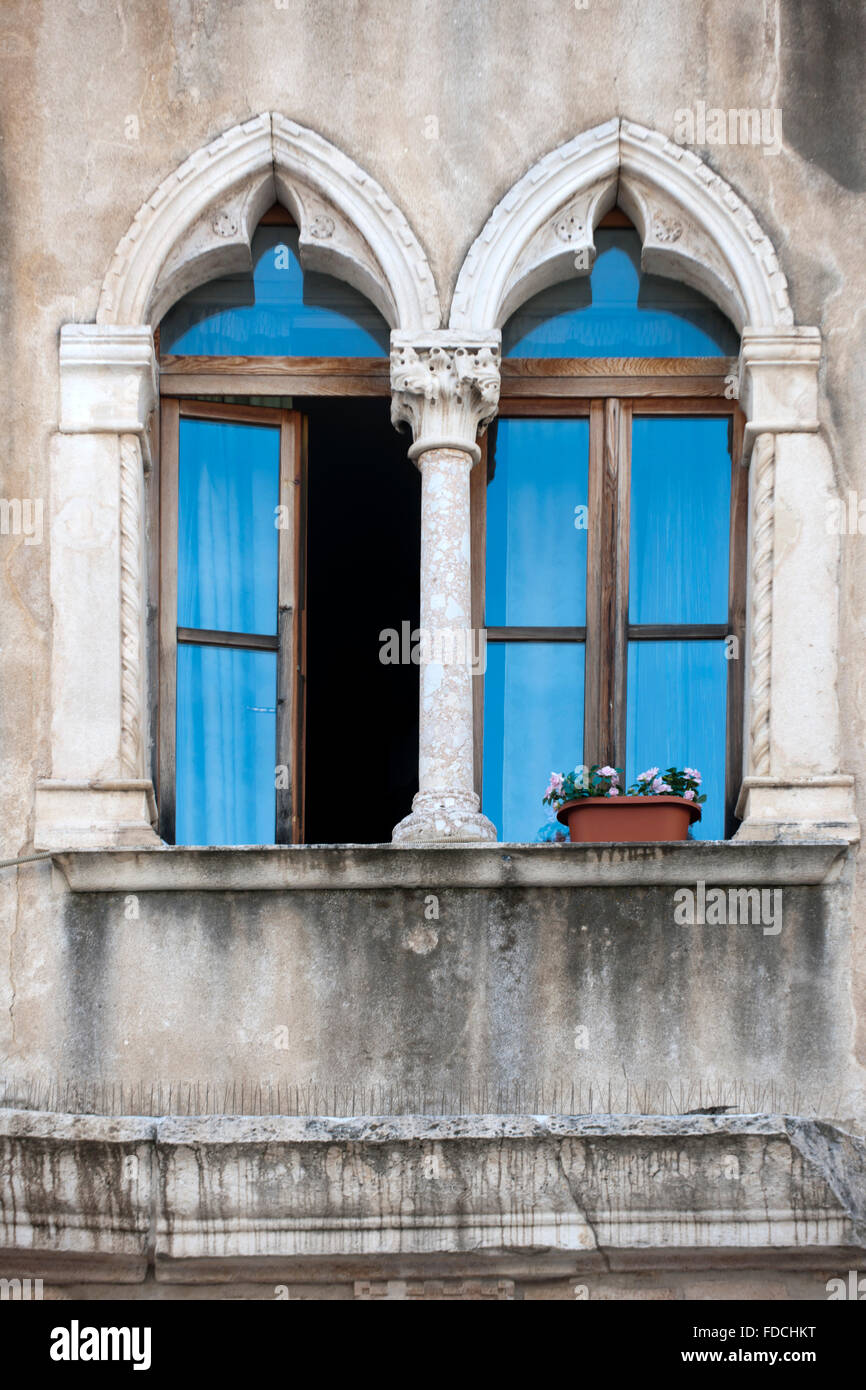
[[556, 781], [659, 785], [693, 773], [689, 795], [614, 791], [648, 775]]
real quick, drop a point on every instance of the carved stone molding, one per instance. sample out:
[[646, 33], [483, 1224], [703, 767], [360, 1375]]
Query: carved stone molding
[[446, 387], [693, 225], [720, 248], [521, 250], [108, 381], [199, 222], [763, 465], [132, 607]]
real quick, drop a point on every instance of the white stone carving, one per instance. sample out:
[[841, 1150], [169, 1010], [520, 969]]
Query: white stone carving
[[446, 388], [708, 237], [108, 378], [224, 224], [446, 807], [96, 794], [520, 252], [722, 250], [763, 461], [199, 222], [794, 787], [132, 605]]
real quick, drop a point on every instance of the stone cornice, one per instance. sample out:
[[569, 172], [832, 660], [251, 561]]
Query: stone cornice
[[778, 381], [560, 1193], [352, 867]]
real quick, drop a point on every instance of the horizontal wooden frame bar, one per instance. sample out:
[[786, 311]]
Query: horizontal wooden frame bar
[[546, 377], [654, 405], [536, 634], [276, 366], [214, 637], [562, 408], [230, 412], [677, 632], [275, 376], [617, 366]]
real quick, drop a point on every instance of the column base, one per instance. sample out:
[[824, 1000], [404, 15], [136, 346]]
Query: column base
[[95, 815], [444, 818], [798, 808]]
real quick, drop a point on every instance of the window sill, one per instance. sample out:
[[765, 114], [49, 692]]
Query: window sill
[[329, 867]]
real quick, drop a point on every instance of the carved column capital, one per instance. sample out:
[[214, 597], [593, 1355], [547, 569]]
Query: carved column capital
[[446, 386]]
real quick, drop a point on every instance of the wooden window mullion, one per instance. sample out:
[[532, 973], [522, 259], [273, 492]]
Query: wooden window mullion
[[168, 513], [607, 582], [289, 798], [736, 621], [619, 414]]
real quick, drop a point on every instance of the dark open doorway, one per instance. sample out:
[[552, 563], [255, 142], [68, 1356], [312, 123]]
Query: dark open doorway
[[363, 569]]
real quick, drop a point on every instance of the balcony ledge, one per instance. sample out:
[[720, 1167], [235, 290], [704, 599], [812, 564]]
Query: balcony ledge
[[279, 868]]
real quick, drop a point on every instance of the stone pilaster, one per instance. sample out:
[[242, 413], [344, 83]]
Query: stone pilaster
[[98, 794], [447, 388], [794, 785]]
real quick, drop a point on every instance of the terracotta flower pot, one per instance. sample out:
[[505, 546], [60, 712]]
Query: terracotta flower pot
[[629, 819]]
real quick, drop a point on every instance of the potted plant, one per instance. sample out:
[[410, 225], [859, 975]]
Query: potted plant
[[659, 806]]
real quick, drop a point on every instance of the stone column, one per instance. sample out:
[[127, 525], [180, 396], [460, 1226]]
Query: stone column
[[98, 794], [794, 786], [447, 388]]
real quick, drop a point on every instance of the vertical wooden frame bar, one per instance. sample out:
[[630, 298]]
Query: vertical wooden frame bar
[[607, 581], [167, 718], [596, 654], [302, 427], [736, 622], [478, 480], [151, 505], [619, 418], [289, 628]]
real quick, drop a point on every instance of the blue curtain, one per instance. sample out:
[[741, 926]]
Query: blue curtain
[[228, 493]]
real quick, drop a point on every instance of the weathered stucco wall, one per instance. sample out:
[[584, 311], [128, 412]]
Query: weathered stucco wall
[[446, 104]]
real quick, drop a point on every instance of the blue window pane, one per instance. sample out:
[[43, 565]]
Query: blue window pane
[[680, 520], [277, 311], [536, 524], [616, 311], [677, 698], [533, 725], [226, 746], [228, 492]]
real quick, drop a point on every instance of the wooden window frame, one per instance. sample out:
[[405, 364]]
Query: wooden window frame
[[611, 389], [289, 641], [610, 392]]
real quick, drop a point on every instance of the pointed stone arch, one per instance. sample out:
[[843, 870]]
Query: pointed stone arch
[[693, 226], [200, 220]]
